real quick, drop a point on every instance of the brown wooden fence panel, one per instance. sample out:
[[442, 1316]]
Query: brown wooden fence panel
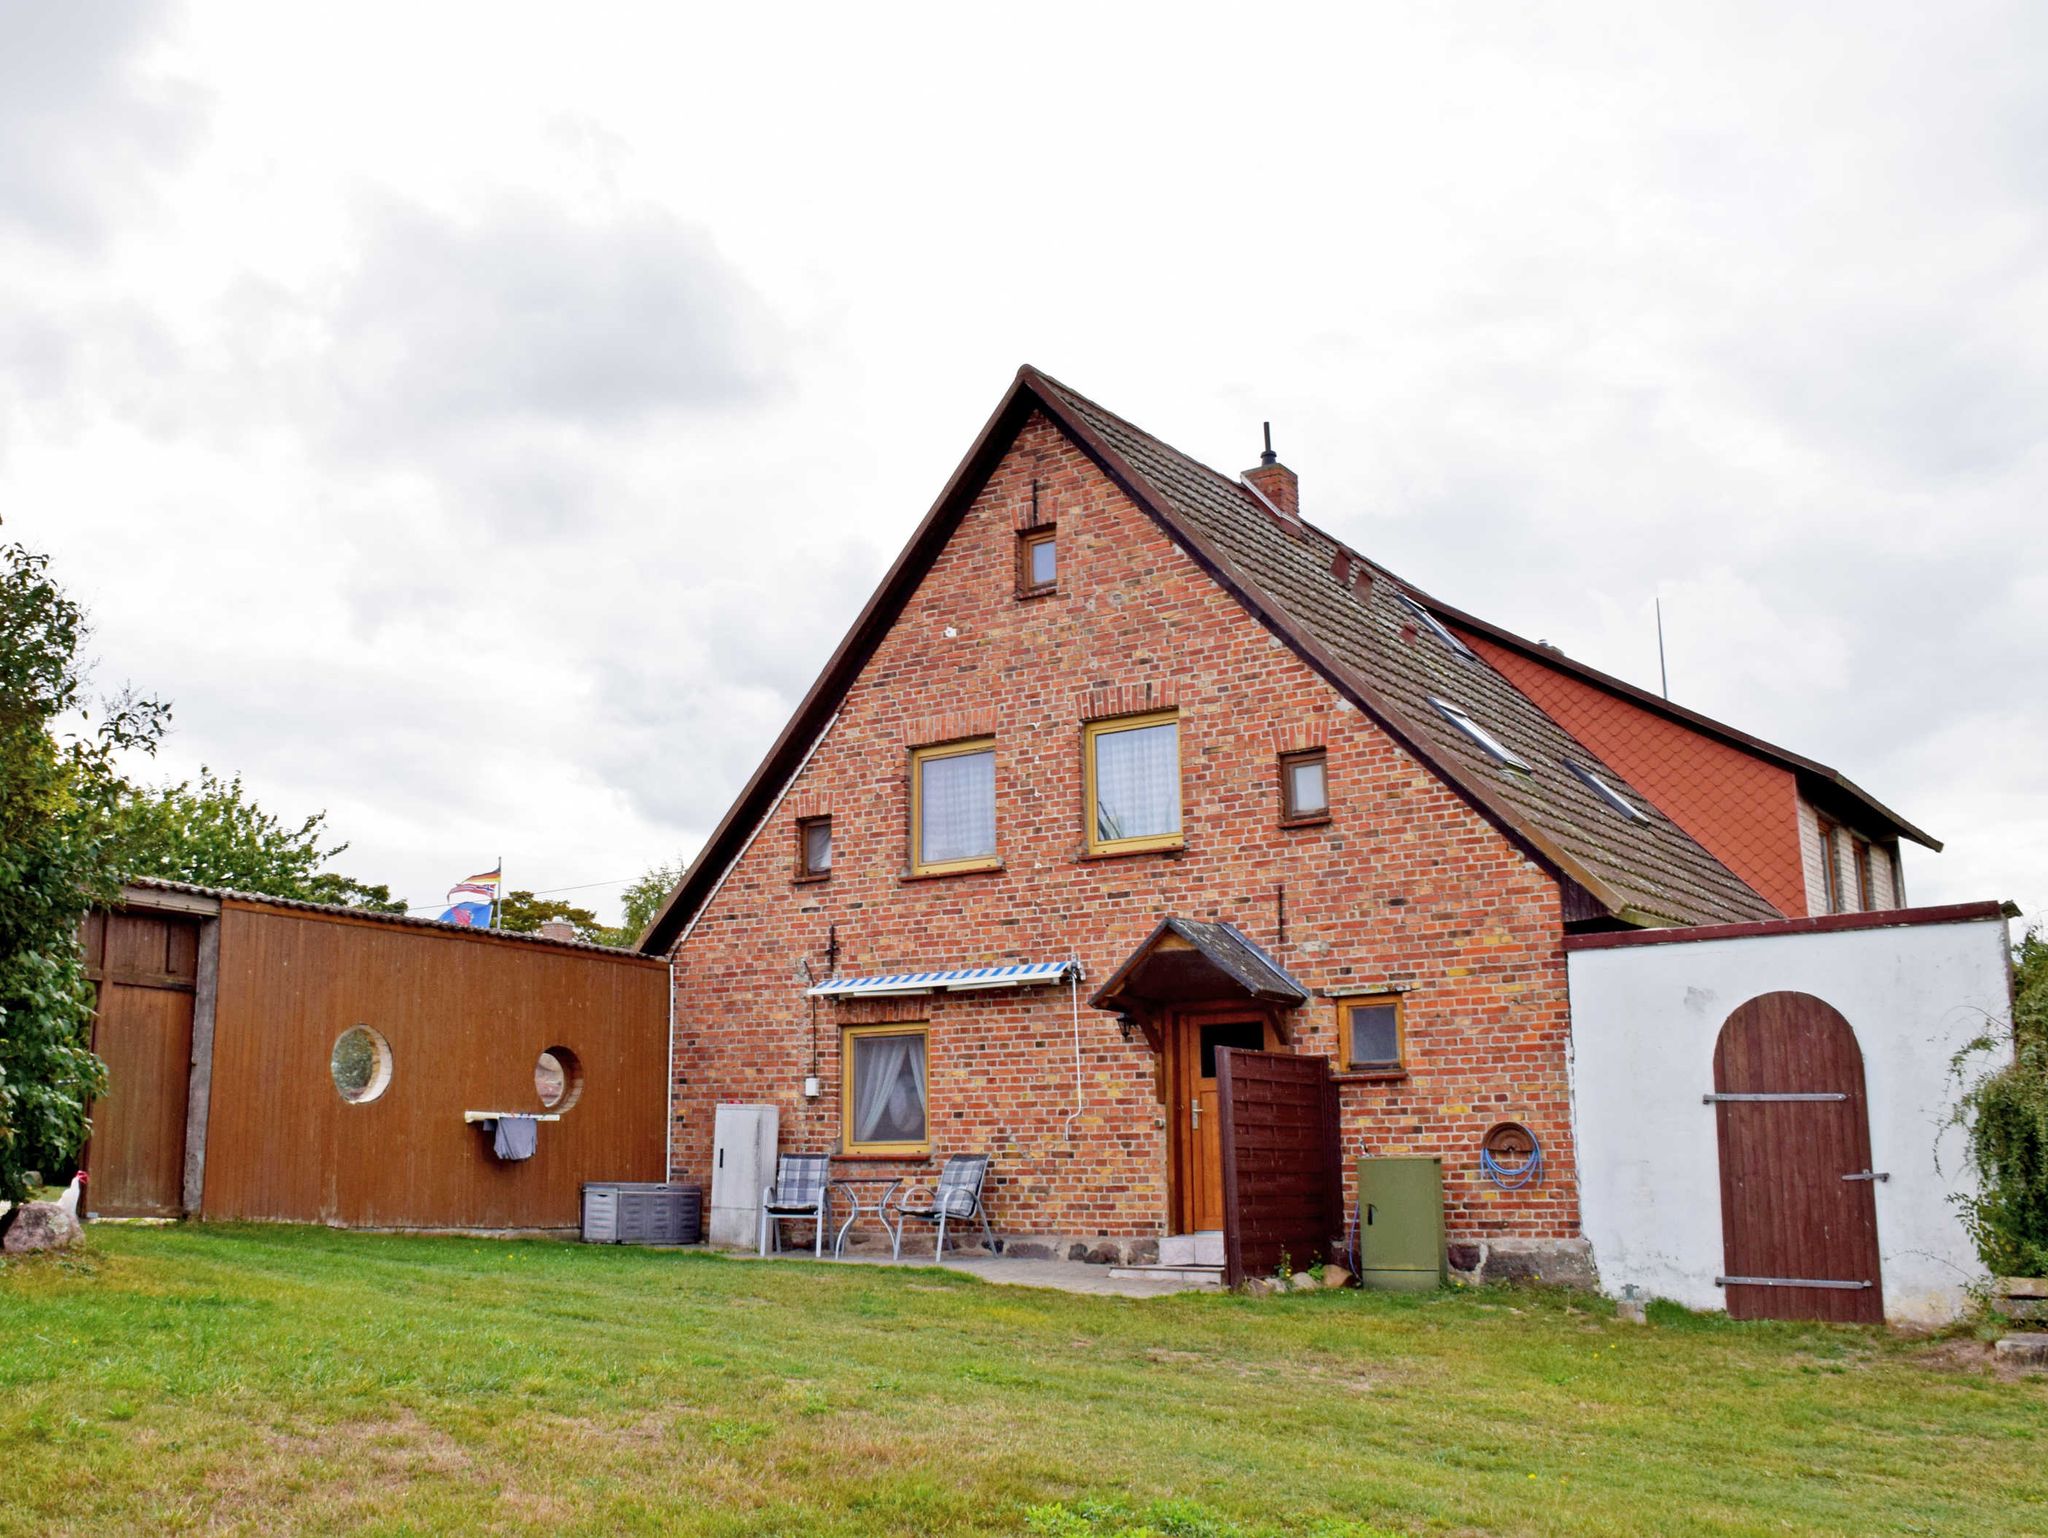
[[1282, 1161]]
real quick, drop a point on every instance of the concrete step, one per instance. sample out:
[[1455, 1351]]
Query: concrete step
[[1192, 1276], [1197, 1249]]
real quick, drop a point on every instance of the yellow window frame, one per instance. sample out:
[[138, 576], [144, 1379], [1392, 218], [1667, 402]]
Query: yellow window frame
[[1374, 1001], [847, 1037], [919, 757], [1109, 727]]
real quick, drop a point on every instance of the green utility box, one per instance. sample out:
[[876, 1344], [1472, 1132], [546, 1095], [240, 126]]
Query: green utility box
[[1401, 1224]]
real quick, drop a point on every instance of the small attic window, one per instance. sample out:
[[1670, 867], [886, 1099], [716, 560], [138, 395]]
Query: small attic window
[[1436, 626], [1479, 734], [1606, 792]]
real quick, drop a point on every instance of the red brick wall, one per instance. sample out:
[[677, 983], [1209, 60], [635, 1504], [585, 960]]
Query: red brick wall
[[1743, 810], [1405, 886]]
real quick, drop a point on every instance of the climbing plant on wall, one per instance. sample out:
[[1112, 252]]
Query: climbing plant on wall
[[2005, 1113]]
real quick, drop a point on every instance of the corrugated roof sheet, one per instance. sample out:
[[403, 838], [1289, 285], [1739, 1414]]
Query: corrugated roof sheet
[[339, 910], [1025, 974]]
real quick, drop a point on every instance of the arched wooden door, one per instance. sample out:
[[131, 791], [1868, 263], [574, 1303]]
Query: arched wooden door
[[1797, 1201]]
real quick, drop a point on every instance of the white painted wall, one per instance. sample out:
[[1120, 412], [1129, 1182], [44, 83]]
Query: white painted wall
[[1644, 1023]]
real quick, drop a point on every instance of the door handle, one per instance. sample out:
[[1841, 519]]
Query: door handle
[[1370, 1209], [1195, 1112]]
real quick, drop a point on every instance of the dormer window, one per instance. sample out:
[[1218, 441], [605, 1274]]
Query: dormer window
[[1605, 792], [1038, 562], [1436, 626], [1495, 748]]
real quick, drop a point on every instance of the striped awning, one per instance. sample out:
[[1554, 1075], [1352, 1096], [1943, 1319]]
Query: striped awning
[[1025, 974]]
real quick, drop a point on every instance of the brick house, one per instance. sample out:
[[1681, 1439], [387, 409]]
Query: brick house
[[1197, 774]]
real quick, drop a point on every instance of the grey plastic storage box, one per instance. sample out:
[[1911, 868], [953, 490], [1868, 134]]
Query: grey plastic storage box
[[642, 1212]]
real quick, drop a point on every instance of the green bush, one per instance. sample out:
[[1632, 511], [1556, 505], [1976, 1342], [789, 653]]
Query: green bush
[[2005, 1111]]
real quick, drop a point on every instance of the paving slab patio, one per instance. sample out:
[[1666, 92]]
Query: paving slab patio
[[1058, 1275]]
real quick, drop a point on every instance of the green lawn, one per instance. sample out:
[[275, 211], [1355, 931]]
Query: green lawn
[[272, 1379]]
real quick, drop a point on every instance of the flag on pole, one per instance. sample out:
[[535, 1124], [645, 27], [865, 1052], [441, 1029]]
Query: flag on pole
[[471, 900]]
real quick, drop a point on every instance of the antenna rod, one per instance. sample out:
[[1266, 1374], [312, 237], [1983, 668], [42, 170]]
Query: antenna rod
[[1663, 675], [1269, 457]]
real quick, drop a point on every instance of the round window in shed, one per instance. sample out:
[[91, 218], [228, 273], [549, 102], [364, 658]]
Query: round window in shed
[[557, 1079], [361, 1064]]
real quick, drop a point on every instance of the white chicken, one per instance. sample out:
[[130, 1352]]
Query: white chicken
[[73, 1195]]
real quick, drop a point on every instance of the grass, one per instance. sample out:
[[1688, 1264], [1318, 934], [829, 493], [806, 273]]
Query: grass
[[228, 1379]]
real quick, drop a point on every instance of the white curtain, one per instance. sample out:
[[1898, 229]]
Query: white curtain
[[957, 806], [888, 1089], [1137, 782]]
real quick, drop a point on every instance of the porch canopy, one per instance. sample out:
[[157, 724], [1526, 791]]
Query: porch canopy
[[1187, 961], [1024, 974]]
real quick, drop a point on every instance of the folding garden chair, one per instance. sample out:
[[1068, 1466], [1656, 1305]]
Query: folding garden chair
[[802, 1189], [957, 1200]]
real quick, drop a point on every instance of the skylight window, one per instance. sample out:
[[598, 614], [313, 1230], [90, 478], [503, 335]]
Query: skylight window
[[1436, 626], [1479, 734], [1606, 792]]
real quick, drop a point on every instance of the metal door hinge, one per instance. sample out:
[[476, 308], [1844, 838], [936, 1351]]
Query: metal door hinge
[[1769, 1099], [1869, 1175]]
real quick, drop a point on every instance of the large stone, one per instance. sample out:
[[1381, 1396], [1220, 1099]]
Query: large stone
[[41, 1226], [2026, 1350], [1145, 1253], [1465, 1257], [1260, 1287], [1301, 1281], [1105, 1254], [1030, 1249], [1077, 1252], [1336, 1276]]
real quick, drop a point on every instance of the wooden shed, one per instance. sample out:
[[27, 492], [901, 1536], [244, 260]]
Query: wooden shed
[[293, 1062]]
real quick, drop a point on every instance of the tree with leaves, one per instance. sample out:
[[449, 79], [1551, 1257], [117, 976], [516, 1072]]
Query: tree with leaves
[[215, 834], [642, 899], [60, 800], [2005, 1112], [523, 913]]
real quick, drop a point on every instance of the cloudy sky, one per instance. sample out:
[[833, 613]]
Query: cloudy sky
[[482, 421]]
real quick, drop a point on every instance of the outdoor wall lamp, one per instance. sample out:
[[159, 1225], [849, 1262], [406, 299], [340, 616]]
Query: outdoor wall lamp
[[1125, 1025]]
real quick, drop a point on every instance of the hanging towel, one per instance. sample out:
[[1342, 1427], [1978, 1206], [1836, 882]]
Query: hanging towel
[[515, 1138]]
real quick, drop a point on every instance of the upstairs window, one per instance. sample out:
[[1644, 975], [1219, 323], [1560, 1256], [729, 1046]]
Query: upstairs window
[[813, 848], [1435, 625], [1494, 747], [1605, 791], [953, 807], [1038, 562], [1830, 869], [1373, 1040], [1132, 768], [1866, 886], [1304, 787]]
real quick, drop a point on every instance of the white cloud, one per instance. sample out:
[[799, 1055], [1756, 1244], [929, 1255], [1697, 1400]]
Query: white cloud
[[487, 432]]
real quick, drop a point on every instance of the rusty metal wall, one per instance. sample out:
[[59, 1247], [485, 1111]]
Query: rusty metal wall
[[466, 1017]]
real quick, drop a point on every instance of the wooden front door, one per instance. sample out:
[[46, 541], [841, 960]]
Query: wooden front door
[[1191, 1071], [1797, 1191], [147, 968]]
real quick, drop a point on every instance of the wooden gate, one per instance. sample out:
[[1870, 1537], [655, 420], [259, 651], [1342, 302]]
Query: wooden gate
[[1798, 1213], [1283, 1182], [147, 969]]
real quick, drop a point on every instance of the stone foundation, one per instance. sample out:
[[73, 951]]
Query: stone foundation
[[1560, 1262]]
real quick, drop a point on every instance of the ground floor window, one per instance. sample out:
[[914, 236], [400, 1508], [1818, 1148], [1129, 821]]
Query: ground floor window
[[1372, 1034], [883, 1096]]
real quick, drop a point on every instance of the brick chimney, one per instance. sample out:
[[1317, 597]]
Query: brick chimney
[[1278, 484]]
